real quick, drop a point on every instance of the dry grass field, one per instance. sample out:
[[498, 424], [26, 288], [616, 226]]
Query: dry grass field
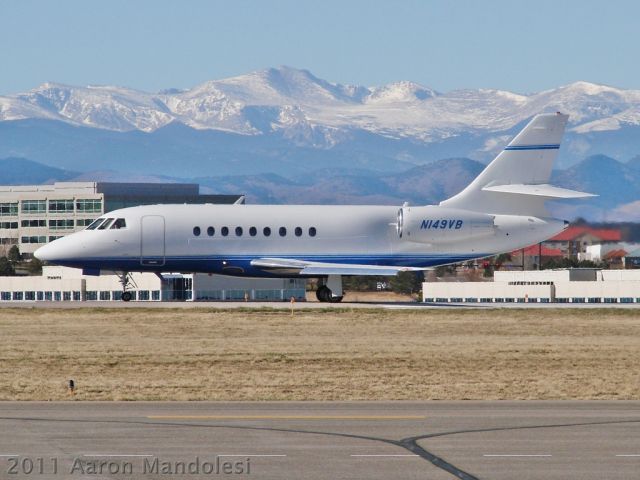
[[208, 354]]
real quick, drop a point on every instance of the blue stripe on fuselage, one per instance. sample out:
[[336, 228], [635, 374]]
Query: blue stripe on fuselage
[[221, 264]]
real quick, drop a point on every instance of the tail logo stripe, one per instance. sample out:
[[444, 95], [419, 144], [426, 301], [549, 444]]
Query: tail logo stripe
[[533, 147]]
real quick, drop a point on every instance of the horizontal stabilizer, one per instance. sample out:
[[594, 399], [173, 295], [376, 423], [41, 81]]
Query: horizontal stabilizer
[[303, 267], [541, 190]]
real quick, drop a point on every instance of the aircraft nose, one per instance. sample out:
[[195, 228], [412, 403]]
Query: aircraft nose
[[46, 253], [59, 249]]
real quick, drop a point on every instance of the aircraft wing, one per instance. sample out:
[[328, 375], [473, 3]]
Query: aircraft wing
[[303, 267]]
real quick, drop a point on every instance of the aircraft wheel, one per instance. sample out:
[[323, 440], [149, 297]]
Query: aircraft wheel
[[126, 296], [323, 294], [335, 299]]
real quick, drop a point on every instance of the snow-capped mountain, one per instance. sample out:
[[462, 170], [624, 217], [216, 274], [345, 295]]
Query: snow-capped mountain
[[283, 120], [110, 108], [242, 105]]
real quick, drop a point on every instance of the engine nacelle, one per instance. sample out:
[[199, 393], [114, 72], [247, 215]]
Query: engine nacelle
[[433, 224]]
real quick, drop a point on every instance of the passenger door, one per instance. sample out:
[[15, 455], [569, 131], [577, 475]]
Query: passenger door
[[152, 240]]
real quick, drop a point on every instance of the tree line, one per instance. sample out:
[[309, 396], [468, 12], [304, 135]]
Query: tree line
[[12, 264]]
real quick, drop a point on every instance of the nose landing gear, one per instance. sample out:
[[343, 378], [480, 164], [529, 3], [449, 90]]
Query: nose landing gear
[[126, 280]]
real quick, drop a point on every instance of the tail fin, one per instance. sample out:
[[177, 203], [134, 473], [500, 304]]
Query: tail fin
[[515, 182]]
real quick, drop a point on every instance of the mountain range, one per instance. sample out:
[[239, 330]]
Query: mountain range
[[617, 185], [283, 134], [285, 121]]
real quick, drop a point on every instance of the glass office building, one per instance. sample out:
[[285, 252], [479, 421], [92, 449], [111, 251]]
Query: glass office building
[[32, 215]]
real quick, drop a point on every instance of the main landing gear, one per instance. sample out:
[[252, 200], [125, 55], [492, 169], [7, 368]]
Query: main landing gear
[[330, 289]]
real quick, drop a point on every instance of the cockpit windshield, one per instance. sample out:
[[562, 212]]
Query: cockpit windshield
[[106, 224], [118, 224], [95, 224]]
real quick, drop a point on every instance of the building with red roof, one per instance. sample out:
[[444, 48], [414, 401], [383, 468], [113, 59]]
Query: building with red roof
[[544, 251], [577, 238], [533, 255], [615, 258]]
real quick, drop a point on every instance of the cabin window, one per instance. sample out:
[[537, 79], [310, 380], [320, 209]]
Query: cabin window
[[224, 231], [196, 231], [211, 231], [312, 231], [118, 224], [238, 231], [298, 232], [266, 231], [282, 231], [253, 231]]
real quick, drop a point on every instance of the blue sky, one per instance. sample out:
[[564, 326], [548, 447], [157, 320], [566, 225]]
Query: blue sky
[[523, 46]]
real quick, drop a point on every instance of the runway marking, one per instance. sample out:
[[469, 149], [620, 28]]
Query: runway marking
[[390, 455], [286, 417], [519, 455], [629, 455], [116, 455], [9, 455], [251, 455]]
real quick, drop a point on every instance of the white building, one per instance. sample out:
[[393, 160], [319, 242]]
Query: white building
[[541, 286], [68, 284], [599, 252], [32, 215]]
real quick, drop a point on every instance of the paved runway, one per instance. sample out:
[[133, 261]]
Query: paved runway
[[321, 440]]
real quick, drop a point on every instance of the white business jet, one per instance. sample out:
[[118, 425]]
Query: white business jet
[[502, 210]]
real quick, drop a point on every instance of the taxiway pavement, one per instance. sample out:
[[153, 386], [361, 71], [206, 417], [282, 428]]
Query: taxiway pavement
[[323, 440]]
